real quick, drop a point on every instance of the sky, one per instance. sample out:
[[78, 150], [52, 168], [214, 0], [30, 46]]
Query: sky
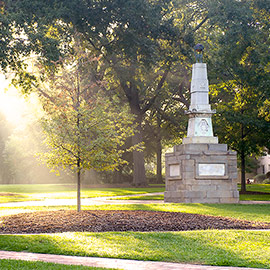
[[14, 106]]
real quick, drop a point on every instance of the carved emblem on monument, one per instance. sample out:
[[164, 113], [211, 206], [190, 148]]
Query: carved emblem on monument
[[204, 127]]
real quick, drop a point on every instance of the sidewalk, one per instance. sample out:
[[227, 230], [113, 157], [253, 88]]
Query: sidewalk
[[110, 263], [88, 201], [100, 201]]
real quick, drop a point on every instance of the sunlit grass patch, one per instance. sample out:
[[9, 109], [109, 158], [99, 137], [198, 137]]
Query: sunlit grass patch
[[258, 187], [68, 191], [27, 265], [6, 197], [142, 198], [254, 197], [212, 247]]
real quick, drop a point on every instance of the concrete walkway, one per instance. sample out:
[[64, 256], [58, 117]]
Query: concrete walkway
[[88, 201], [100, 201], [110, 263]]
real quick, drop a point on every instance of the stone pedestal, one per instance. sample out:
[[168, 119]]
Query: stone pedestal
[[201, 173]]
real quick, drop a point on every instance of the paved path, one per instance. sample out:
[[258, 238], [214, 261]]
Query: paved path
[[100, 201], [110, 263], [88, 201]]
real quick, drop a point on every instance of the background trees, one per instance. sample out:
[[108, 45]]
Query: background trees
[[239, 72], [145, 51]]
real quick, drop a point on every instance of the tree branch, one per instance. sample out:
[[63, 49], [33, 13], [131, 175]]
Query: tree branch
[[159, 86], [200, 24]]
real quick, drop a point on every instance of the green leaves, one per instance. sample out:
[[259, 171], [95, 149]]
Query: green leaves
[[80, 123]]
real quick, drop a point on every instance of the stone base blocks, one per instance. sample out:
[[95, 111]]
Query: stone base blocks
[[201, 173]]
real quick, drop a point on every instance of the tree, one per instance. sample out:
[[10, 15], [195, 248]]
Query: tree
[[238, 64], [83, 130], [239, 124]]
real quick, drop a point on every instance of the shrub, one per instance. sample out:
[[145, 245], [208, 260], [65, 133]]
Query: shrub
[[266, 181], [268, 174], [259, 178]]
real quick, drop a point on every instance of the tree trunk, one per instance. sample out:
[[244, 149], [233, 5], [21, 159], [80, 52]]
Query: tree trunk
[[159, 154], [243, 162], [159, 163], [139, 178], [78, 185], [243, 172]]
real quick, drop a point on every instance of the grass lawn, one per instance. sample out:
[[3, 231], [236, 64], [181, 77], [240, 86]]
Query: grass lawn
[[26, 265], [16, 193], [212, 247], [243, 197], [258, 187], [140, 198], [256, 197], [13, 193]]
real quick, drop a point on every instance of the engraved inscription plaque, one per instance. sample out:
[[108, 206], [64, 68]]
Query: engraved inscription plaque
[[207, 169], [174, 170]]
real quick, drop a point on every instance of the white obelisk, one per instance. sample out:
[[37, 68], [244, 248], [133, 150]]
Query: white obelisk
[[200, 129]]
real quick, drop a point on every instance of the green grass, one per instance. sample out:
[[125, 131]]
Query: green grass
[[243, 197], [258, 187], [149, 197], [257, 212], [27, 265], [212, 247], [256, 197], [17, 193], [66, 191]]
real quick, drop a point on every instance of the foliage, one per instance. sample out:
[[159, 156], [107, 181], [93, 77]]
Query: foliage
[[259, 178], [266, 181], [238, 43], [211, 247]]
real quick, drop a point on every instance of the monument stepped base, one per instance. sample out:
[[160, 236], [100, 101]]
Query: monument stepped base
[[201, 173]]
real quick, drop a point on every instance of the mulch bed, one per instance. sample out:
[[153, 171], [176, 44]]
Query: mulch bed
[[254, 192], [103, 221]]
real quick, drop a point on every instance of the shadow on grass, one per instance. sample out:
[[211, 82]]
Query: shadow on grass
[[226, 248]]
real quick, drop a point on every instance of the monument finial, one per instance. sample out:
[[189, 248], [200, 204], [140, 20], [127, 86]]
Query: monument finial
[[198, 51]]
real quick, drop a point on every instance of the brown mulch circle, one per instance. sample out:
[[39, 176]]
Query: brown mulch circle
[[254, 192], [103, 221]]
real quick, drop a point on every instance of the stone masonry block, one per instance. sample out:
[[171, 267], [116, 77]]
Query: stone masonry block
[[188, 165], [195, 147], [204, 182], [172, 159], [188, 175], [236, 194], [224, 187], [219, 194], [229, 200], [204, 187], [183, 157], [206, 200], [218, 147], [195, 194]]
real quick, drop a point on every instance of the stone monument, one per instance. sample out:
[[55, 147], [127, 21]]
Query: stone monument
[[201, 170]]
